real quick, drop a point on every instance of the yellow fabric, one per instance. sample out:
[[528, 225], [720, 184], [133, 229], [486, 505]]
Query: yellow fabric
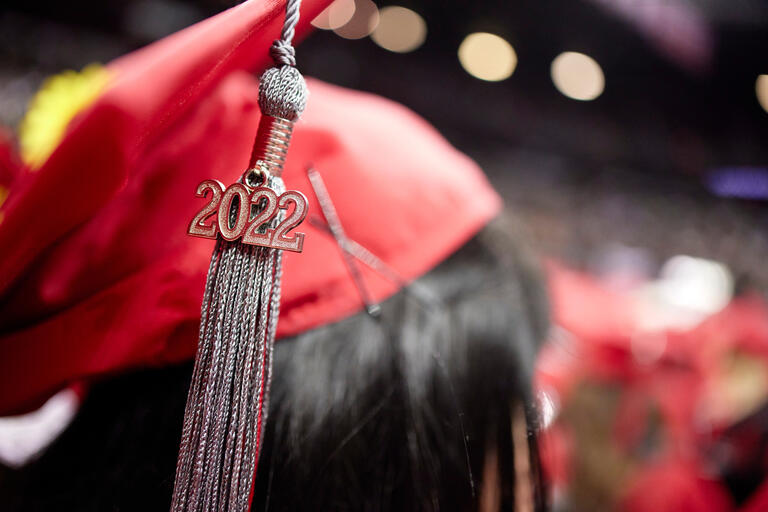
[[59, 99]]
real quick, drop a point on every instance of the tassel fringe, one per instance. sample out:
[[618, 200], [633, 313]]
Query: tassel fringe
[[227, 403]]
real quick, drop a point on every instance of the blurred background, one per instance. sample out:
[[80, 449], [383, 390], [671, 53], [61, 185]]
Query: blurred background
[[628, 140]]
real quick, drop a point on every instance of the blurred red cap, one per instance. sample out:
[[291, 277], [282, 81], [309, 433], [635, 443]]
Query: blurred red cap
[[97, 273]]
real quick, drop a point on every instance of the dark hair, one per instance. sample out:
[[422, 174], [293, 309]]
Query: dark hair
[[413, 410]]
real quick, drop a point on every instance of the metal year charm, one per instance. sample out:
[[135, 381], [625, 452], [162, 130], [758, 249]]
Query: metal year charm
[[233, 219], [268, 158]]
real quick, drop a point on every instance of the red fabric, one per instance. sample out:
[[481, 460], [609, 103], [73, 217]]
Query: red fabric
[[664, 410], [152, 89], [97, 273], [675, 486], [10, 163], [584, 307]]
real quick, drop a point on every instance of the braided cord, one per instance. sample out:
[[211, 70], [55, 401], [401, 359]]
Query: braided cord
[[229, 393], [282, 50]]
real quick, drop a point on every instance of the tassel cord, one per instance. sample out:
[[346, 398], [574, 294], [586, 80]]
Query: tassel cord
[[199, 379], [229, 393], [231, 264], [239, 410], [221, 396]]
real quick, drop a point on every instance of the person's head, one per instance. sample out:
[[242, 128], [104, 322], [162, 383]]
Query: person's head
[[425, 407]]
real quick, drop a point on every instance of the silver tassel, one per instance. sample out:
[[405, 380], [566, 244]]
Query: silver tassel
[[229, 393], [227, 402]]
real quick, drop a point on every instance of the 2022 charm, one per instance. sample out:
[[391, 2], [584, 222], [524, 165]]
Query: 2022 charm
[[221, 204]]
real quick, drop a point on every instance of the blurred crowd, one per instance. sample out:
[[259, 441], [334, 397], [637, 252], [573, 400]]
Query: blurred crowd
[[653, 386]]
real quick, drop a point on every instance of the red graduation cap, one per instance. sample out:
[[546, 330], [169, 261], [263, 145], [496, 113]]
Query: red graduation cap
[[97, 273]]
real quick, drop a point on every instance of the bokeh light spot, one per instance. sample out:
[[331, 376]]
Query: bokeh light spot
[[363, 21], [400, 30], [335, 15], [487, 57], [578, 76], [761, 89]]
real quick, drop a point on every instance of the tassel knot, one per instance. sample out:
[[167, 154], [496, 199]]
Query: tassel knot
[[283, 93], [283, 53]]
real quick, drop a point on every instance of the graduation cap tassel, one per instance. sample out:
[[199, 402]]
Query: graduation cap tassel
[[228, 396]]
